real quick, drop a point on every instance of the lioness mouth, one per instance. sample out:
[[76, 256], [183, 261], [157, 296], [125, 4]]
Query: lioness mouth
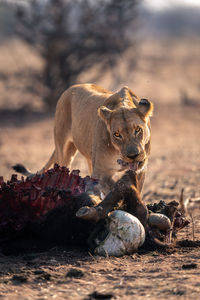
[[134, 166]]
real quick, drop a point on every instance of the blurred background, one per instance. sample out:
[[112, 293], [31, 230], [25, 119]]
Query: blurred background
[[151, 46]]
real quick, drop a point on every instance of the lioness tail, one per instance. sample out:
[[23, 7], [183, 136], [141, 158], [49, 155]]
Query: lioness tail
[[19, 168]]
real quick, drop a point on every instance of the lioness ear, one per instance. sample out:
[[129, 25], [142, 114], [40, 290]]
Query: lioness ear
[[145, 107], [104, 113]]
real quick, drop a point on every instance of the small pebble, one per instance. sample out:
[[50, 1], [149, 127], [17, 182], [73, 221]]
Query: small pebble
[[75, 273], [189, 266]]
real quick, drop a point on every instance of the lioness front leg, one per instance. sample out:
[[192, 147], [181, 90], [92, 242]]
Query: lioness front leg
[[104, 165], [105, 184], [97, 192]]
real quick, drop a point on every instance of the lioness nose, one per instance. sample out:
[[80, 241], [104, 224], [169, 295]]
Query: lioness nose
[[132, 156]]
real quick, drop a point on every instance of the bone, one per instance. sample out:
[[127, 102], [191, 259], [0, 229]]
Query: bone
[[88, 213]]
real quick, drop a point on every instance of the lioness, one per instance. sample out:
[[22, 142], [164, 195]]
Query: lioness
[[111, 130]]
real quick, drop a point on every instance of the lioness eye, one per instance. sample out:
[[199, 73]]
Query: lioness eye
[[117, 135], [138, 130]]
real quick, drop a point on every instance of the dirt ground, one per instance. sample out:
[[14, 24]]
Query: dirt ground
[[73, 273], [174, 164]]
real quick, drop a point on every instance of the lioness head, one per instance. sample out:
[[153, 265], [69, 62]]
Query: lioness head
[[127, 121]]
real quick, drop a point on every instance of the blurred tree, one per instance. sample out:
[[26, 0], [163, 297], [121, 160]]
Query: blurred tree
[[74, 35]]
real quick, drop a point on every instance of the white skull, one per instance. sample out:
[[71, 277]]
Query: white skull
[[121, 234]]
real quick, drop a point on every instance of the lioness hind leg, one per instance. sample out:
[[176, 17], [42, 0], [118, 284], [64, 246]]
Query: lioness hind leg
[[89, 166], [50, 162], [68, 154]]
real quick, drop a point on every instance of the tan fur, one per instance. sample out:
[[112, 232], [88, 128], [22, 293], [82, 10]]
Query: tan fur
[[86, 118]]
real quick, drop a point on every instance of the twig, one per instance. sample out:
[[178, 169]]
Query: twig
[[193, 228], [184, 203], [195, 200], [181, 202], [90, 254]]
